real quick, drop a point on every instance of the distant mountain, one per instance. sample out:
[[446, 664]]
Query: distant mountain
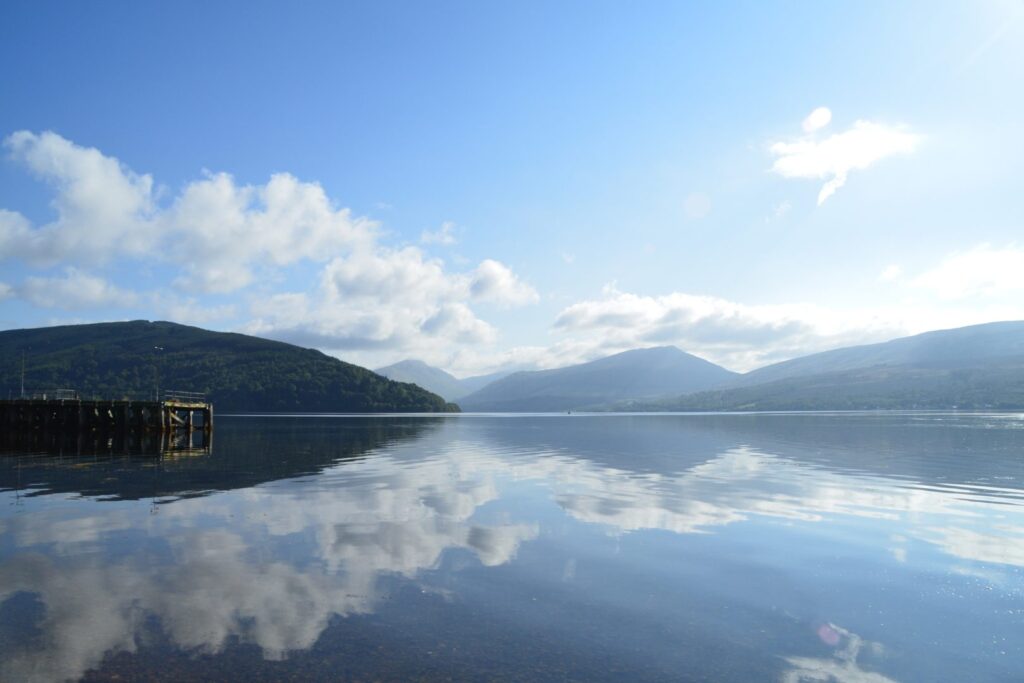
[[237, 372], [430, 378], [977, 367], [437, 380], [637, 374], [478, 382], [954, 348]]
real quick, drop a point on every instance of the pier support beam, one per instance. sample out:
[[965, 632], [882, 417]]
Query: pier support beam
[[108, 417]]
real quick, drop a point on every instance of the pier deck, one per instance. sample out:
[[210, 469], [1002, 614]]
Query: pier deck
[[77, 415]]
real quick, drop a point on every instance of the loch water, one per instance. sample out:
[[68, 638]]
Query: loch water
[[855, 548]]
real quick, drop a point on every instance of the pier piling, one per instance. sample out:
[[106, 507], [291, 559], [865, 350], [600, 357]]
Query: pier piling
[[174, 413]]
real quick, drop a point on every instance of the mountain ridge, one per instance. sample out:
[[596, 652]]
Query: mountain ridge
[[637, 373], [972, 367], [946, 346], [237, 372], [436, 380]]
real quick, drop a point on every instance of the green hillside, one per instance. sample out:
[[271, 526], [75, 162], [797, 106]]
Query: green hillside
[[237, 372]]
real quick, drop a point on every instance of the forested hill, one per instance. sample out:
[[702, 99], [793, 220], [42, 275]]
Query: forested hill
[[236, 371]]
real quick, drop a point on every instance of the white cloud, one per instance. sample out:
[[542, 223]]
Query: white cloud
[[103, 209], [981, 271], [817, 119], [494, 281], [891, 273], [75, 290], [780, 210], [833, 157], [6, 291], [379, 299], [219, 236], [444, 235], [189, 311], [388, 275], [215, 230], [742, 336], [738, 335], [221, 230]]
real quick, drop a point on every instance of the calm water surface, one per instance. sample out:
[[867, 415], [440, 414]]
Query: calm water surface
[[848, 548]]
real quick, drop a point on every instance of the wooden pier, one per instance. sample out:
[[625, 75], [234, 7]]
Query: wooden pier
[[175, 412]]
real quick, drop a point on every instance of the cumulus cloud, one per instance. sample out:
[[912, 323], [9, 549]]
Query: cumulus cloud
[[983, 270], [392, 298], [189, 311], [74, 290], [219, 236], [444, 235], [494, 281], [221, 230], [103, 209], [215, 230], [384, 298], [6, 291], [833, 157]]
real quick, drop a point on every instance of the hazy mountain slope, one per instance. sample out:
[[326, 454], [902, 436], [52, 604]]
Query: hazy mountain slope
[[478, 382], [959, 347], [633, 374], [998, 386], [976, 367], [430, 378], [238, 372], [437, 380]]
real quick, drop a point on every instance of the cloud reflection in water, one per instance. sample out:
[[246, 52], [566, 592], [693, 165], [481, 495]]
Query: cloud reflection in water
[[270, 565]]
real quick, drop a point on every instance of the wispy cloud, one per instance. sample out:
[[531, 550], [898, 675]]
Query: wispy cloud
[[697, 205], [983, 270], [832, 158], [891, 273], [780, 210], [817, 119], [743, 336], [444, 235], [738, 335]]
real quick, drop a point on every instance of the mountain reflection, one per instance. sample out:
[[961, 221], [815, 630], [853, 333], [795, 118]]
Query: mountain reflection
[[288, 524], [148, 467]]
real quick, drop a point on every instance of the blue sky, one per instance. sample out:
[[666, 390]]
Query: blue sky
[[485, 184]]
